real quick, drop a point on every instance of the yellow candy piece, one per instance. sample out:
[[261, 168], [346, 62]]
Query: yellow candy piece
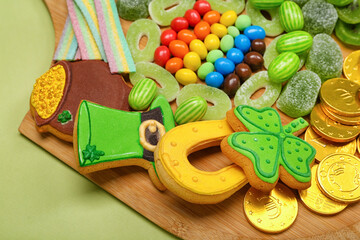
[[198, 47], [228, 18], [351, 67], [192, 61], [212, 42], [185, 76], [218, 29]]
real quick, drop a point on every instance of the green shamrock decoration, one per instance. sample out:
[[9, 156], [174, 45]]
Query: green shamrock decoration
[[64, 117], [90, 153], [268, 144]]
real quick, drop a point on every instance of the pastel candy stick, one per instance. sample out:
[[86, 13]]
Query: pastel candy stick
[[67, 46], [116, 48], [77, 55], [86, 41]]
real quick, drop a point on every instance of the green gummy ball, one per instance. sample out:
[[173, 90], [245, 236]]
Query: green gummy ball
[[242, 22], [233, 31], [205, 69]]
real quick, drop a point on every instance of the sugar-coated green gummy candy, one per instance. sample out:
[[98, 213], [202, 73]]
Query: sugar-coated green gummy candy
[[325, 57], [217, 97], [301, 3], [138, 29], [242, 22], [291, 17], [319, 17], [348, 33], [213, 55], [226, 43], [264, 5], [223, 6], [350, 13], [297, 42], [191, 110], [272, 27], [133, 9], [205, 69], [252, 85], [162, 15], [233, 31], [340, 3], [169, 86], [283, 67], [142, 94], [299, 95]]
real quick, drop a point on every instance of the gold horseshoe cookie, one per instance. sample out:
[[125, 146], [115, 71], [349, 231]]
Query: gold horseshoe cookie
[[186, 181]]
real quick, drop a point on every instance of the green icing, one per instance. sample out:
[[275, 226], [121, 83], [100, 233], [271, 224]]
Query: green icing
[[64, 117], [295, 125], [268, 145], [167, 113]]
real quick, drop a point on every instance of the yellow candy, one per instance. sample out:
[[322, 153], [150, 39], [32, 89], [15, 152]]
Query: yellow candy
[[218, 29], [212, 42], [192, 61], [228, 18], [198, 47], [185, 76]]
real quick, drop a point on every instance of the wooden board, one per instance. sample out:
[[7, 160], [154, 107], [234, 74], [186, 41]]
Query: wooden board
[[225, 220]]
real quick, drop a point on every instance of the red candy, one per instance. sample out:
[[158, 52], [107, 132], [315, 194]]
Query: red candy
[[186, 35], [174, 64], [202, 29], [212, 17], [179, 23], [167, 36], [178, 48], [202, 7], [193, 17], [162, 55]]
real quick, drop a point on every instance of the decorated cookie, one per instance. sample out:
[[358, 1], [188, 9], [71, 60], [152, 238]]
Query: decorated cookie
[[269, 151], [108, 138], [57, 94]]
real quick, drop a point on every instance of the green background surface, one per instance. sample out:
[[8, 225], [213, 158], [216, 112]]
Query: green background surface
[[41, 197]]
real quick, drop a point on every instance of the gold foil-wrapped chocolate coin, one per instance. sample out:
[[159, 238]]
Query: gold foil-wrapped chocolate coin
[[341, 96], [339, 177], [346, 120], [272, 212], [316, 201], [351, 67]]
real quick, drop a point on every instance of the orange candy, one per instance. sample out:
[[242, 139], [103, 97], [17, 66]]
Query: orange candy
[[174, 64], [186, 35], [212, 17], [202, 29], [178, 48]]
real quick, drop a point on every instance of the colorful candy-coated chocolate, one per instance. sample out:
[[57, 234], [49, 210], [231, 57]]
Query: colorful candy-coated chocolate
[[161, 55], [212, 42], [201, 30], [231, 84], [202, 6], [214, 79], [186, 36], [167, 36], [233, 31], [228, 18], [258, 45], [205, 69], [185, 76], [213, 55], [212, 17], [283, 67], [179, 23], [242, 22], [142, 94], [224, 66], [192, 61], [243, 71], [291, 17], [218, 29], [193, 17], [254, 60], [178, 48], [297, 41], [254, 32], [235, 55], [243, 43], [226, 43], [191, 110], [174, 64], [268, 4], [198, 47]]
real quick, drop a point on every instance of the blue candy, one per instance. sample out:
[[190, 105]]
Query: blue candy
[[214, 79], [254, 32], [224, 66], [235, 55], [243, 43]]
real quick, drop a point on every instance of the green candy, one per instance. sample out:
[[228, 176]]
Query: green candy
[[242, 22], [297, 42], [205, 69], [350, 13], [142, 94], [223, 6], [283, 67], [348, 33], [291, 17], [340, 3], [266, 4], [233, 31], [191, 110], [301, 3], [133, 9], [138, 29], [213, 55], [226, 43], [258, 81]]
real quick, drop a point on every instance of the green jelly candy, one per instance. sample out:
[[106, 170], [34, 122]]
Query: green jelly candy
[[348, 33], [164, 11], [213, 55], [272, 27], [252, 85], [138, 29], [226, 43], [217, 97], [191, 110], [267, 4], [325, 57], [298, 42], [283, 67], [242, 22], [340, 3], [169, 86], [142, 94], [319, 17], [350, 13], [133, 9], [301, 3], [233, 31], [291, 17], [299, 95], [205, 69], [223, 6]]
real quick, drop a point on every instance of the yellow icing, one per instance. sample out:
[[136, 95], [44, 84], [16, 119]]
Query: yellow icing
[[48, 91]]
